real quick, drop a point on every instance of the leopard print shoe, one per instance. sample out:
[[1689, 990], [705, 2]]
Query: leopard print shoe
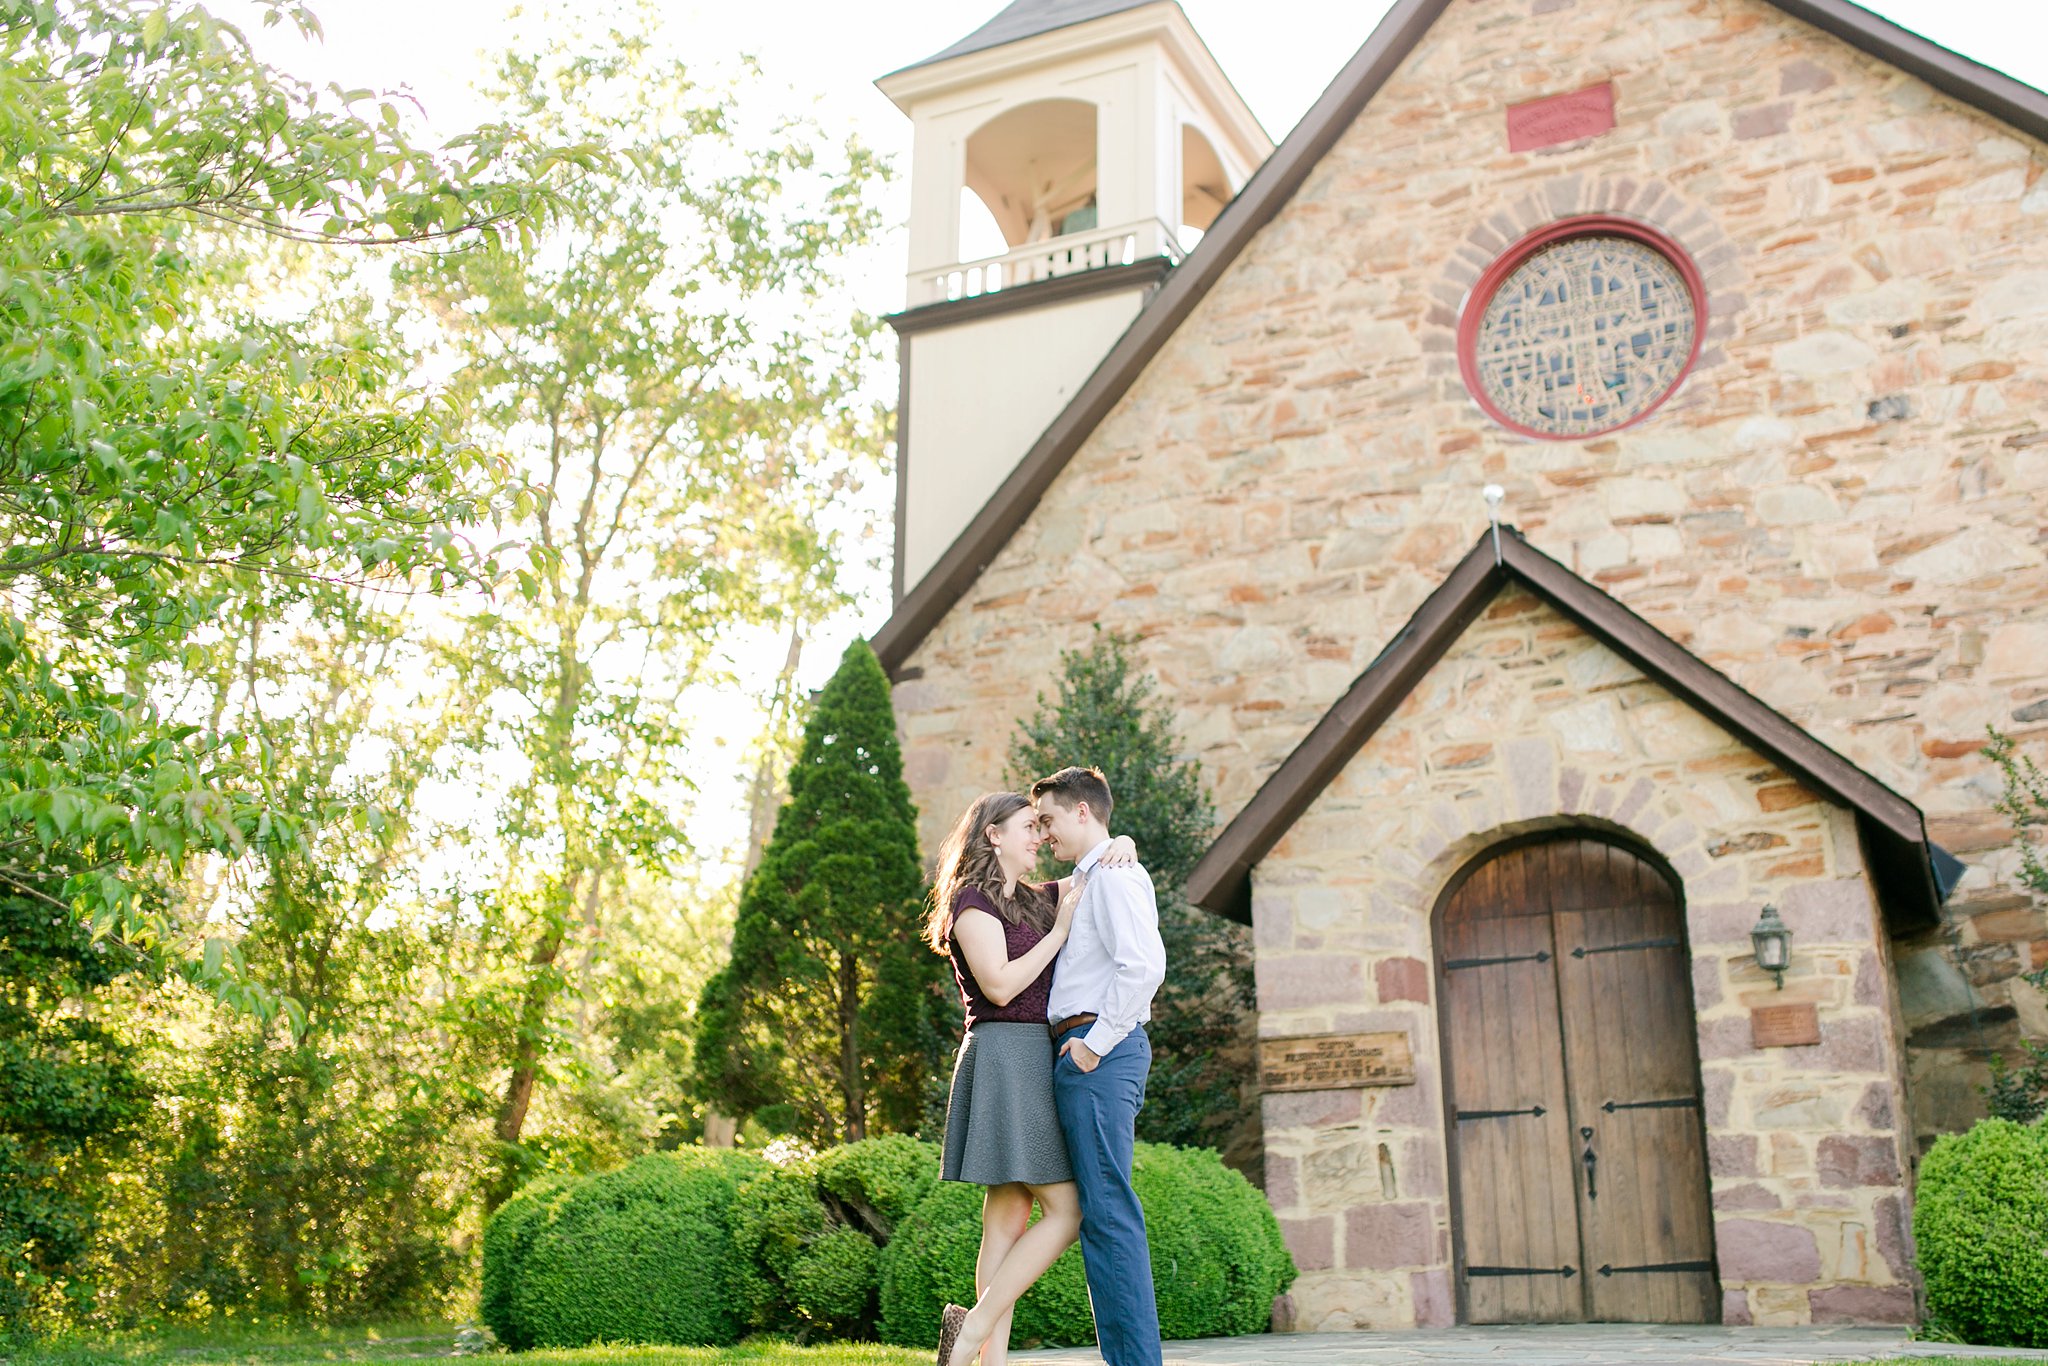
[[950, 1320]]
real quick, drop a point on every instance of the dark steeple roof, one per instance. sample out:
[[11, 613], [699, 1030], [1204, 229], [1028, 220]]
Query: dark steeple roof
[[1028, 19]]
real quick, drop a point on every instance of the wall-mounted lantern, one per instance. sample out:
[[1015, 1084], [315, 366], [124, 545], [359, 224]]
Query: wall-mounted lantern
[[1773, 943]]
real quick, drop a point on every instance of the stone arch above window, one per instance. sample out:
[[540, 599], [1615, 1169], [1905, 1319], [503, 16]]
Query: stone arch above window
[[1660, 211]]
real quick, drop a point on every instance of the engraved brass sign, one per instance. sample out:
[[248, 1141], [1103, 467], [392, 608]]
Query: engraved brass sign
[[1784, 1026], [1335, 1062]]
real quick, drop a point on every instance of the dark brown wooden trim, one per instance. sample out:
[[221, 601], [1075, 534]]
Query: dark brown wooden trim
[[1059, 289], [1711, 691], [1268, 191], [1262, 197], [1993, 92], [902, 467], [1222, 880], [1902, 861]]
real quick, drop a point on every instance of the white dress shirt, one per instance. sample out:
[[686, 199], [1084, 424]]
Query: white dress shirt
[[1113, 959]]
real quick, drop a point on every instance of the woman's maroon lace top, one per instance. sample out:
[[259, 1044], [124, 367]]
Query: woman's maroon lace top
[[1028, 1005]]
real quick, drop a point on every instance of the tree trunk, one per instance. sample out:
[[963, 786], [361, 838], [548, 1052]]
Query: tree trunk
[[525, 1057], [533, 1012], [850, 1087]]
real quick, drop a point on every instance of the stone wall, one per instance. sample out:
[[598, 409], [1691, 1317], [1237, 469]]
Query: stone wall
[[1843, 508], [1529, 723]]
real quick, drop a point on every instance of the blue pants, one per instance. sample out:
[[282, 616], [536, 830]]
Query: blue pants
[[1099, 1116]]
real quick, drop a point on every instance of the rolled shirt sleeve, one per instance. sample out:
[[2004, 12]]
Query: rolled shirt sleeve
[[1128, 920]]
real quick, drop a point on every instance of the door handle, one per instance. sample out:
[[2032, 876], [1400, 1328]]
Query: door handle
[[1592, 1163]]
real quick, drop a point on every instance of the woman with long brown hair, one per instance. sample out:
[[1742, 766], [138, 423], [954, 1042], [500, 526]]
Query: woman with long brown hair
[[1002, 933]]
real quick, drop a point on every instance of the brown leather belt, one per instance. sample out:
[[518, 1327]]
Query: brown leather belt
[[1072, 1022]]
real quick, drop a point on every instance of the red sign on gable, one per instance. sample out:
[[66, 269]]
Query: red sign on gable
[[1561, 118]]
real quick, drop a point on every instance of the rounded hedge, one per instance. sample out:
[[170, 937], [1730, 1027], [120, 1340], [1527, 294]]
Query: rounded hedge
[[1192, 1201], [879, 1181], [1217, 1258], [697, 1247], [508, 1238], [1981, 1223], [809, 1233], [641, 1254], [930, 1264]]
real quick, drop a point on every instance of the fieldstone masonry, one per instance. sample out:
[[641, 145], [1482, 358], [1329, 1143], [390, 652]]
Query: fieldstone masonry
[[1845, 510], [1529, 723]]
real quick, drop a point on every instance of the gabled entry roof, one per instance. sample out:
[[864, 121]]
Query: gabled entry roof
[[1263, 196], [1912, 875]]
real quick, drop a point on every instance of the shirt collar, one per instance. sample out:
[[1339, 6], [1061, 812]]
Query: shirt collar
[[1088, 860]]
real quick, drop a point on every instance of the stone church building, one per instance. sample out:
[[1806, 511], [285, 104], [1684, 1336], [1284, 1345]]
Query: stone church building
[[1743, 307]]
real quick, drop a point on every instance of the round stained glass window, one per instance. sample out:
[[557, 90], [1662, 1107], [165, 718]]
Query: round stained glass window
[[1581, 328]]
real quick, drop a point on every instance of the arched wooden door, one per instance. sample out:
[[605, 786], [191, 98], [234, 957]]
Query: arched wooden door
[[1573, 1091]]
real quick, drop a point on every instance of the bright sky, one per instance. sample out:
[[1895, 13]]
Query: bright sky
[[821, 57]]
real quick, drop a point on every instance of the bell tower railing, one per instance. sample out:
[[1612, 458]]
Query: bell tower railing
[[1091, 249]]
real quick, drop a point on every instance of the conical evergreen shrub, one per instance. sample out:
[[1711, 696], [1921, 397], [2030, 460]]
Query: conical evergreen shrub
[[828, 1011]]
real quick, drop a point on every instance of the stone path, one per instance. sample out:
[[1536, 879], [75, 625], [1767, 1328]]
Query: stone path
[[1559, 1345]]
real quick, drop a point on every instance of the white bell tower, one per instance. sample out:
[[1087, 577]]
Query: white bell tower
[[1102, 138]]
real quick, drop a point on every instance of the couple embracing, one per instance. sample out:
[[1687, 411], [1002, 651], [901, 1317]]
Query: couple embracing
[[1057, 980]]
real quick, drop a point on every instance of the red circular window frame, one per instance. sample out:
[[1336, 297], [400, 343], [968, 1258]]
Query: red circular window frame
[[1591, 225]]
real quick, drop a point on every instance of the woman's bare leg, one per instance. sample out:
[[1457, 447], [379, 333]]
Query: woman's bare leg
[[996, 1351], [1005, 1212], [1026, 1261]]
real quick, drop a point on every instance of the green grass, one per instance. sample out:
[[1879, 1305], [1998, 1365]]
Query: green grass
[[271, 1343], [258, 1345]]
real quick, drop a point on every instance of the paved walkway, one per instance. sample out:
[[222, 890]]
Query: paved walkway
[[1602, 1344]]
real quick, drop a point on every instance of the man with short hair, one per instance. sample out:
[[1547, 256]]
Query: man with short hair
[[1102, 985]]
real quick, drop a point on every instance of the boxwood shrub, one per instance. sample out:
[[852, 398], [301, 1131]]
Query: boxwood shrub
[[809, 1233], [1217, 1258], [700, 1246], [508, 1238], [776, 1216], [930, 1263], [1981, 1222], [641, 1254], [878, 1181]]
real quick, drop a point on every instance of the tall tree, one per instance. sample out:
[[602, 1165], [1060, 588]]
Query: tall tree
[[830, 1005], [165, 450], [161, 443], [1105, 712], [660, 369], [314, 1165]]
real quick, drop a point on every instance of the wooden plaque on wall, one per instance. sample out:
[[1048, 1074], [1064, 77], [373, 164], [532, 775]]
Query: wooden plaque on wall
[[1785, 1026], [1335, 1062]]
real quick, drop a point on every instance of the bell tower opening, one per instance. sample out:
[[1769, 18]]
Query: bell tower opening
[[980, 234], [1205, 187], [1034, 166], [1064, 155]]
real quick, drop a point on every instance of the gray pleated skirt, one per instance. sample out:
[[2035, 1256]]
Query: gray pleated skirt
[[1000, 1121]]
